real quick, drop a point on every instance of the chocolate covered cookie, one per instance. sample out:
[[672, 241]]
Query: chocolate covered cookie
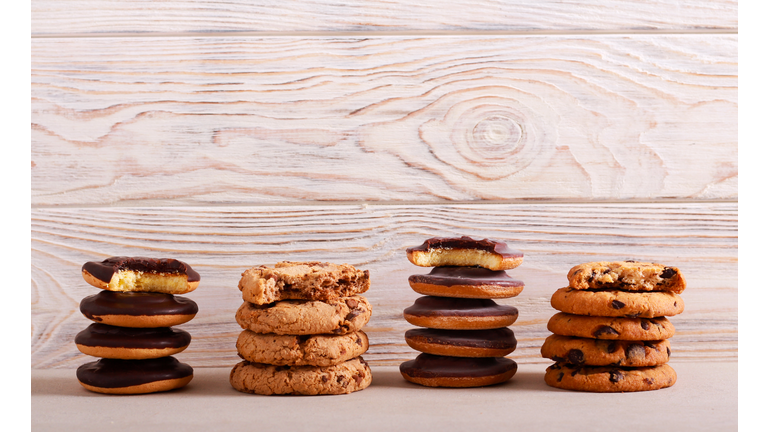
[[609, 379], [598, 352], [302, 281], [465, 252], [631, 329], [114, 376], [459, 314], [313, 350], [129, 309], [615, 303], [101, 340], [264, 379], [306, 317], [466, 282], [444, 371], [626, 276], [141, 274], [462, 343]]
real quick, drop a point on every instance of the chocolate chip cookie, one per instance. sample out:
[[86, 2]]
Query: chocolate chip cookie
[[597, 352], [312, 350], [258, 378], [615, 303], [630, 329], [627, 276], [466, 252], [609, 379]]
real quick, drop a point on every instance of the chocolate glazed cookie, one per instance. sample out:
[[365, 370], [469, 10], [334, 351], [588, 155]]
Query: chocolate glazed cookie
[[466, 282], [465, 252], [114, 376], [443, 371], [462, 343], [459, 314], [101, 340], [139, 310], [140, 274]]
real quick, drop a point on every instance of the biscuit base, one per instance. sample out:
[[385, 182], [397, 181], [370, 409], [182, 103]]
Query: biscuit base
[[142, 321], [467, 291], [128, 353], [131, 281], [457, 351], [461, 323], [461, 382], [153, 387]]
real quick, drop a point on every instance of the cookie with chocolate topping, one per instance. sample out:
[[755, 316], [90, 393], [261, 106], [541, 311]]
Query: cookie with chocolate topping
[[626, 276], [607, 379], [141, 274], [115, 376], [138, 310], [459, 314], [465, 252], [466, 282], [101, 340], [445, 371]]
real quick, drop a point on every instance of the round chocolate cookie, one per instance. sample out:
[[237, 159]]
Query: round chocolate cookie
[[443, 371], [459, 314], [615, 303], [131, 309], [632, 329], [466, 282], [113, 376], [264, 379], [140, 274], [101, 340], [609, 379], [313, 350], [626, 276], [597, 352], [462, 343], [306, 317], [466, 252]]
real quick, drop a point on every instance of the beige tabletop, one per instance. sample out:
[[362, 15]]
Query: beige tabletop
[[704, 398]]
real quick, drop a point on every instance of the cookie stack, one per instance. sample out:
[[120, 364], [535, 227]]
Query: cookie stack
[[465, 335], [302, 333], [133, 333], [612, 332]]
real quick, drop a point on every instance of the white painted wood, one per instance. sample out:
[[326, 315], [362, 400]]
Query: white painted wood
[[221, 242], [110, 16], [229, 120]]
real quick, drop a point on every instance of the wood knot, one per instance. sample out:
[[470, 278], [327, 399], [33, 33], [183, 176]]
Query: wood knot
[[496, 136]]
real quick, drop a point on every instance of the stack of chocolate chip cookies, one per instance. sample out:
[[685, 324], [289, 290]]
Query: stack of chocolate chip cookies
[[134, 314], [302, 333], [612, 332], [465, 335]]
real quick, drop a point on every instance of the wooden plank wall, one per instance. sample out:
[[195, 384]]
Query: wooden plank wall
[[229, 134]]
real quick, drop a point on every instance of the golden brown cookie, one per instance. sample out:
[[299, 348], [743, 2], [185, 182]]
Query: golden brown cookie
[[100, 340], [466, 282], [258, 378], [444, 371], [609, 379], [312, 350], [459, 314], [465, 252], [462, 343], [112, 376], [597, 352], [302, 281], [642, 329], [306, 317], [615, 303], [140, 274], [626, 276]]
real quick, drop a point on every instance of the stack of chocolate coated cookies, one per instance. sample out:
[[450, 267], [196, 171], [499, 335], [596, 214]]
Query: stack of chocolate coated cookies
[[465, 335], [134, 314], [612, 332], [302, 333]]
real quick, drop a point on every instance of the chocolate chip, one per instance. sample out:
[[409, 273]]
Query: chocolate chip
[[359, 341], [635, 351], [617, 304], [324, 378], [669, 352], [604, 330], [352, 303], [668, 273], [634, 315], [611, 348], [557, 358], [675, 304], [616, 376], [645, 324], [576, 357], [352, 314], [592, 276], [560, 376], [650, 345], [606, 346], [358, 379], [648, 381]]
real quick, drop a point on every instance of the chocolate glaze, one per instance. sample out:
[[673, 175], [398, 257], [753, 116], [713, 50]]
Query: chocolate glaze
[[104, 270], [435, 366], [433, 306], [502, 338], [474, 276], [102, 335], [136, 304], [114, 373], [465, 242]]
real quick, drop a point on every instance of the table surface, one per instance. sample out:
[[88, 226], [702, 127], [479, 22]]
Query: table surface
[[704, 398]]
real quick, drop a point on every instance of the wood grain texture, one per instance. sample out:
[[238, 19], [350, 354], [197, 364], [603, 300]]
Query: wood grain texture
[[221, 242], [111, 16], [247, 120]]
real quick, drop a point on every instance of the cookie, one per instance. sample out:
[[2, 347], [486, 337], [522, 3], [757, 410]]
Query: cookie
[[312, 350], [626, 276], [306, 317], [466, 252], [631, 329], [140, 274], [459, 314], [114, 376], [466, 282], [302, 281], [609, 379], [132, 309], [462, 343], [615, 303], [258, 378], [100, 340], [443, 371], [597, 352]]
